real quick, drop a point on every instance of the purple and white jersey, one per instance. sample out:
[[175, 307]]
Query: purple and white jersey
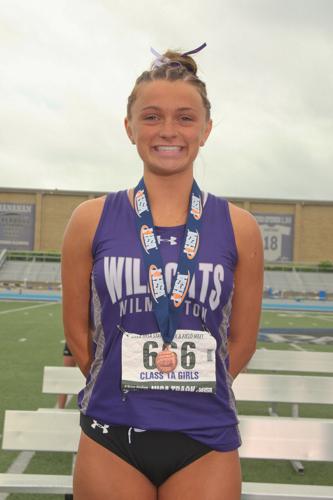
[[120, 297]]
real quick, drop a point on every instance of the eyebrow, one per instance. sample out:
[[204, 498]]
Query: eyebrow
[[158, 108]]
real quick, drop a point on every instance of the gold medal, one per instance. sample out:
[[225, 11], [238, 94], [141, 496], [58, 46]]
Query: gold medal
[[166, 360]]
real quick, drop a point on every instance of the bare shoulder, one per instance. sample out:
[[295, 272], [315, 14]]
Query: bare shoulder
[[245, 227], [89, 209], [84, 220]]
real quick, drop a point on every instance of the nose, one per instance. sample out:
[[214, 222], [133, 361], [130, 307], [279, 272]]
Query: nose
[[167, 129]]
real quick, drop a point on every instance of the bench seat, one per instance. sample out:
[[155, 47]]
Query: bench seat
[[276, 491], [36, 483], [62, 485], [284, 438], [247, 386], [291, 361]]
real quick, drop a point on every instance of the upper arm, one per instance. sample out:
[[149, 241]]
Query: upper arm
[[248, 278], [76, 264]]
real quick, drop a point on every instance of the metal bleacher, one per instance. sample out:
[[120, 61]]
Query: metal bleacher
[[40, 271], [318, 281], [299, 281], [30, 272]]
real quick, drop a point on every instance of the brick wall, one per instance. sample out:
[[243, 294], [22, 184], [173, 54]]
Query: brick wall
[[313, 221]]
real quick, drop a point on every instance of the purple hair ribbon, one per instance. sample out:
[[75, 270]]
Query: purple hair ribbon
[[160, 59], [194, 51]]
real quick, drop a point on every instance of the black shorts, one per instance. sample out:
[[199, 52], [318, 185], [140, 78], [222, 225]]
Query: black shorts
[[67, 352], [157, 454]]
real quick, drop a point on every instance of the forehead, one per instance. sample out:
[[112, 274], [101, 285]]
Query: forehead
[[168, 95]]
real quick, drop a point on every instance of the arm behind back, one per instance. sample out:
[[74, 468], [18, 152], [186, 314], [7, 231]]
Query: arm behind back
[[248, 281], [76, 267]]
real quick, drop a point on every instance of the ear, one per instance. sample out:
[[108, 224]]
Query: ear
[[206, 133], [129, 130]]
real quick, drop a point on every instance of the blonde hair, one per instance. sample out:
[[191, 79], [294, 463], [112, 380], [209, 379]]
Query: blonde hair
[[172, 66]]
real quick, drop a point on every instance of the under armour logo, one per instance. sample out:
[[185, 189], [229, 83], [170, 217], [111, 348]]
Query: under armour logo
[[172, 240], [97, 424]]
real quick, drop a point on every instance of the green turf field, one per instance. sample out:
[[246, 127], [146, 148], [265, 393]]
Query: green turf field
[[297, 319], [31, 337]]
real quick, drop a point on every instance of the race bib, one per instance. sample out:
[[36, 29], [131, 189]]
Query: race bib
[[195, 371]]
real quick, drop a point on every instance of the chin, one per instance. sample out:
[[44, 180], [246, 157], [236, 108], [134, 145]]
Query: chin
[[166, 171]]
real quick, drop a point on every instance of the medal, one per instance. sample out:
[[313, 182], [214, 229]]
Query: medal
[[166, 360], [167, 306]]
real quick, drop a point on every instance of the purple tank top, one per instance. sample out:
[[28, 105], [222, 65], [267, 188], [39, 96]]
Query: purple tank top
[[119, 296]]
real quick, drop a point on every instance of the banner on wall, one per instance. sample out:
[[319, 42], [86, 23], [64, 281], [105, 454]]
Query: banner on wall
[[17, 226], [278, 236]]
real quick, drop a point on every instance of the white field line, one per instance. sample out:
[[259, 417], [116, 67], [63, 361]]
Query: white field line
[[321, 318], [69, 399], [308, 315], [28, 307], [21, 462], [297, 347]]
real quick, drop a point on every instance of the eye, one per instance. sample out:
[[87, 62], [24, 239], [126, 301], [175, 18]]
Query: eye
[[186, 118], [151, 117]]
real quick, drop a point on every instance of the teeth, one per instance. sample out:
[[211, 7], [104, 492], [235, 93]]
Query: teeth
[[168, 148]]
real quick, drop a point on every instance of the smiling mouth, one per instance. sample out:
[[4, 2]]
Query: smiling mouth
[[168, 149]]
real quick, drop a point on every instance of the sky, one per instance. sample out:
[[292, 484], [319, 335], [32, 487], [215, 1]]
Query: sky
[[68, 66]]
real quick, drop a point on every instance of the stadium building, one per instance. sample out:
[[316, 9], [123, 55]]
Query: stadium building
[[294, 231]]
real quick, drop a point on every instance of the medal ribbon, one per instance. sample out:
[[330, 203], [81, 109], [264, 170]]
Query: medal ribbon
[[167, 307]]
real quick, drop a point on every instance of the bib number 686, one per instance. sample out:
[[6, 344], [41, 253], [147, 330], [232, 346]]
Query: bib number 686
[[187, 356]]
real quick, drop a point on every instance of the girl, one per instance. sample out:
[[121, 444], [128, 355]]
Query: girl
[[162, 288]]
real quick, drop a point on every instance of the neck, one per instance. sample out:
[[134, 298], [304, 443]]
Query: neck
[[169, 197]]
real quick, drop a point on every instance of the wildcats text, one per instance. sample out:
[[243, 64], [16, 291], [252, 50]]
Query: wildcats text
[[125, 278]]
